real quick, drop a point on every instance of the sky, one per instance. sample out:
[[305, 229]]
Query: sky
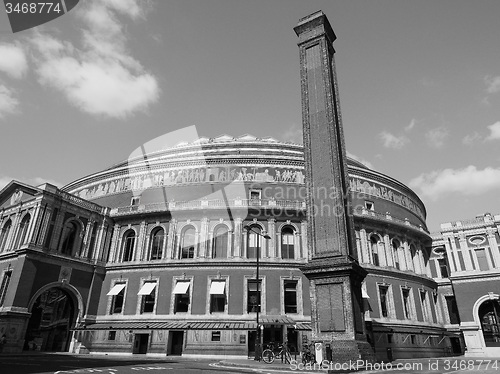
[[419, 87]]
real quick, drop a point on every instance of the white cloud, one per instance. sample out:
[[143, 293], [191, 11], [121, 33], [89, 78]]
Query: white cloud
[[436, 137], [101, 77], [468, 181], [8, 101], [470, 139], [411, 125], [13, 60], [392, 141], [494, 131], [492, 84], [293, 134]]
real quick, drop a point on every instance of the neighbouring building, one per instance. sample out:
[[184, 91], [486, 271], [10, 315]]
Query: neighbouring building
[[466, 265]]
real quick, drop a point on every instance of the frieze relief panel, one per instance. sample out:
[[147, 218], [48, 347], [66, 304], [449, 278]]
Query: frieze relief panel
[[172, 177], [225, 174], [383, 192]]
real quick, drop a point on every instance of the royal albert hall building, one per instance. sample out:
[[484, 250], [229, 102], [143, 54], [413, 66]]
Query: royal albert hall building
[[158, 255]]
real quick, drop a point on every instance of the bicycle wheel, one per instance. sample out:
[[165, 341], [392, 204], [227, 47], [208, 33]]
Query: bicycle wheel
[[288, 357], [267, 356]]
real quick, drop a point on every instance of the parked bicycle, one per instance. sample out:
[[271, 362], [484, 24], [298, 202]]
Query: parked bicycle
[[308, 354], [274, 351]]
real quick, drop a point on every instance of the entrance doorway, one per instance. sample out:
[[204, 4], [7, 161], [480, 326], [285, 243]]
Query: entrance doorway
[[175, 343], [489, 315], [141, 342], [52, 315]]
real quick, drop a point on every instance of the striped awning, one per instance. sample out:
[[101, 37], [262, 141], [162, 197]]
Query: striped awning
[[197, 325]]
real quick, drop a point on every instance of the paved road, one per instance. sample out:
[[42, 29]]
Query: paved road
[[74, 364]]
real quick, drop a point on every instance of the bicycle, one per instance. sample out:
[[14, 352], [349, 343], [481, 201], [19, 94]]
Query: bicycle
[[308, 354], [270, 354]]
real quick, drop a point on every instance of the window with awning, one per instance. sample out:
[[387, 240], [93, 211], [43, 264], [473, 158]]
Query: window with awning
[[182, 299], [147, 288], [117, 288], [217, 287], [181, 288], [217, 296]]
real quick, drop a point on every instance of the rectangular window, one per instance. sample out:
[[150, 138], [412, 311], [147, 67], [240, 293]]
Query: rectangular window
[[217, 296], [5, 285], [118, 293], [389, 338], [384, 303], [181, 300], [148, 296], [443, 267], [290, 290], [135, 200], [413, 339], [451, 303], [481, 259], [216, 336], [112, 335], [254, 295], [254, 195], [406, 303]]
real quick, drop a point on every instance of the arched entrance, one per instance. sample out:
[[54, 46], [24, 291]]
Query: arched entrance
[[489, 316], [52, 316]]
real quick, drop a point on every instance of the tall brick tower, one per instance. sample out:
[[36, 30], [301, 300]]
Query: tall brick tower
[[333, 271]]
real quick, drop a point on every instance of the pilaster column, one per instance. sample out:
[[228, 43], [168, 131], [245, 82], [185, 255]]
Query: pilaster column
[[274, 243], [451, 255], [203, 237], [303, 236], [57, 230], [44, 226], [365, 259], [388, 251], [100, 246], [34, 224], [166, 239], [407, 253], [115, 242], [87, 238], [238, 228], [139, 252], [13, 231], [465, 252], [172, 227]]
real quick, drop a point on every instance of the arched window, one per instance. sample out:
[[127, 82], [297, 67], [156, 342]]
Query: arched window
[[374, 240], [489, 315], [254, 241], [395, 252], [287, 243], [219, 243], [70, 234], [128, 246], [23, 231], [156, 246], [188, 243], [4, 234]]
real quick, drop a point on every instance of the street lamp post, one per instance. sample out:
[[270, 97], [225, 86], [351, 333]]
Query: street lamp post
[[258, 335]]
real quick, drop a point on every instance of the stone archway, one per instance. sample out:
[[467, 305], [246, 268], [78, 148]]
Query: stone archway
[[54, 311], [489, 317]]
